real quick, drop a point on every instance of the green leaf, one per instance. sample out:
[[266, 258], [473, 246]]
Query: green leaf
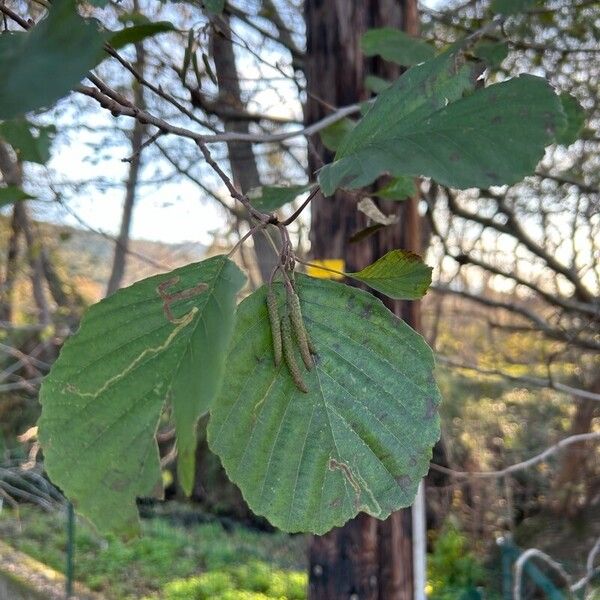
[[29, 147], [376, 84], [271, 197], [39, 67], [137, 33], [399, 188], [12, 194], [421, 126], [493, 53], [359, 440], [511, 7], [333, 135], [396, 46], [163, 338], [399, 274], [214, 6], [575, 120]]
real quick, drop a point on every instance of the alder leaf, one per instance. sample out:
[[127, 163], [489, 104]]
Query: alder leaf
[[333, 134], [399, 274], [271, 197], [137, 33], [512, 7], [28, 147], [575, 120], [40, 66], [214, 6], [422, 126], [12, 194], [396, 46], [163, 338], [376, 84], [493, 53], [360, 440], [399, 188]]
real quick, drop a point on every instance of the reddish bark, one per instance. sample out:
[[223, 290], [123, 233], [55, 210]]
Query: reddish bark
[[367, 558]]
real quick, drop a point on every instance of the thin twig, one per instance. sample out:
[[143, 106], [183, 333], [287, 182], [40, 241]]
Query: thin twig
[[538, 458], [145, 144], [296, 214]]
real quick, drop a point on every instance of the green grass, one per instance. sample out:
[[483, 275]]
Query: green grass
[[167, 561]]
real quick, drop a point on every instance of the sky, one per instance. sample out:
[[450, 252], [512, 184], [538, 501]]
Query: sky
[[171, 212]]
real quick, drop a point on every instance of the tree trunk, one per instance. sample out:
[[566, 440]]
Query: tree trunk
[[572, 479], [366, 559], [13, 175], [137, 140], [241, 154]]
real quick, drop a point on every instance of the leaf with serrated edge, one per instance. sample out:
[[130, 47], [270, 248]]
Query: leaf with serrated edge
[[494, 136], [360, 440], [575, 120], [163, 338], [271, 197], [40, 66], [396, 46], [138, 33], [399, 274], [12, 194], [399, 188]]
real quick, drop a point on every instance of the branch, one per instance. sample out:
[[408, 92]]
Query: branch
[[538, 458], [514, 229], [284, 36], [541, 324], [527, 379], [111, 100], [566, 303], [590, 569]]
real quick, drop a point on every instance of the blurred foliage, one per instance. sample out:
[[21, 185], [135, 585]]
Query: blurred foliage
[[164, 553], [253, 581], [453, 572]]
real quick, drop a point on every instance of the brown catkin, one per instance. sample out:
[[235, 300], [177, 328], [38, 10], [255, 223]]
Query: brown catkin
[[288, 354], [293, 303], [275, 326]]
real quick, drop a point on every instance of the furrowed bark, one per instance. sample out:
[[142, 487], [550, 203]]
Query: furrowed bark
[[366, 558]]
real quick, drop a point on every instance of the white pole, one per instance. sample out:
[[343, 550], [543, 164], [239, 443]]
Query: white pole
[[419, 535]]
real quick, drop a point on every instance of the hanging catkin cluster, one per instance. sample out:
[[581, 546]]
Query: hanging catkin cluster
[[287, 331]]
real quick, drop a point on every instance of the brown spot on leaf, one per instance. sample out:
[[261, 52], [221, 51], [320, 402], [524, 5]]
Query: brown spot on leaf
[[455, 157], [497, 119], [336, 465], [169, 298], [404, 482], [431, 408]]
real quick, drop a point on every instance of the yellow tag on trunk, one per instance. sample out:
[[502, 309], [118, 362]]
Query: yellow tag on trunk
[[328, 268]]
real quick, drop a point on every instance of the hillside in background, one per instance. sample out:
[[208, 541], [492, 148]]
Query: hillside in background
[[84, 258]]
